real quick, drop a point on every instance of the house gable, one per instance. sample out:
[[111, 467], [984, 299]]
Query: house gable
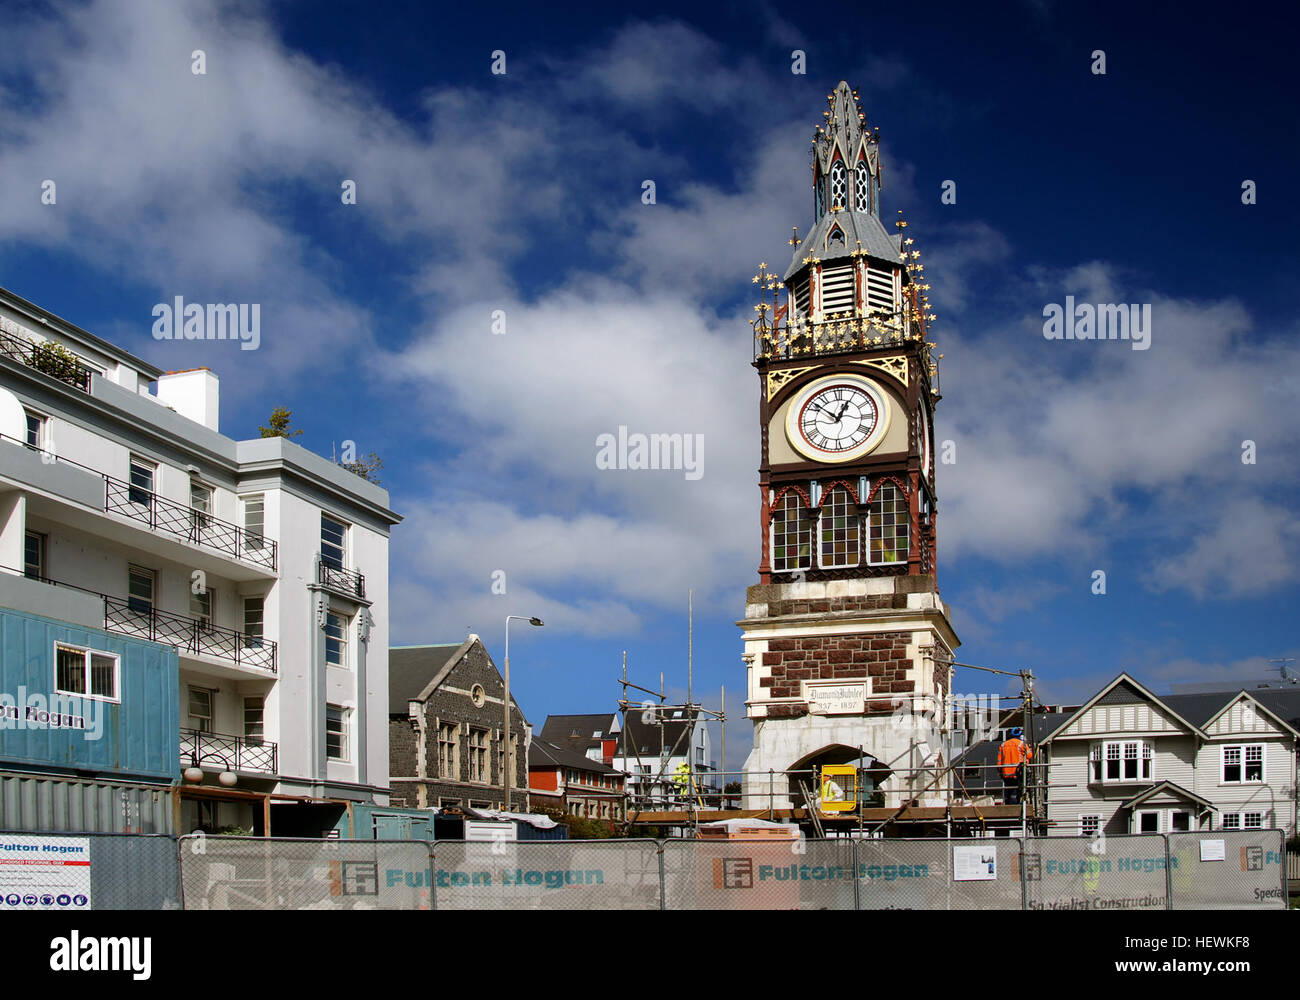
[[1133, 716], [1245, 717]]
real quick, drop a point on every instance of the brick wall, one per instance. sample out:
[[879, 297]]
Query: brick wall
[[881, 656]]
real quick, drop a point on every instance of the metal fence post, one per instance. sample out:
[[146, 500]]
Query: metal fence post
[[433, 879], [1024, 874], [857, 885], [1169, 876], [663, 881]]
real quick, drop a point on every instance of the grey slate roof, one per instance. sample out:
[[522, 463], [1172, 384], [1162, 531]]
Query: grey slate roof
[[411, 668], [856, 226], [644, 739], [542, 753], [1282, 702], [987, 778], [1200, 708], [559, 729]]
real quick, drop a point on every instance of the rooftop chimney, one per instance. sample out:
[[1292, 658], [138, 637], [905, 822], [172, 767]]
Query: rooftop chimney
[[193, 393]]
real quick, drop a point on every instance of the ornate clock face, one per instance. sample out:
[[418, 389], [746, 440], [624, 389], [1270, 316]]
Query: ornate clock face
[[837, 419]]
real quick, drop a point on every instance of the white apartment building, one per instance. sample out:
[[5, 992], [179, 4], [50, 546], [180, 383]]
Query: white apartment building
[[262, 563]]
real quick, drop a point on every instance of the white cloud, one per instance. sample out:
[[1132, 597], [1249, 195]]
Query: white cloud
[[1073, 446]]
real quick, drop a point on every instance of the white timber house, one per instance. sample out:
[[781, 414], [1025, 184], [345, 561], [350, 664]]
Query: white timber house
[[1129, 761]]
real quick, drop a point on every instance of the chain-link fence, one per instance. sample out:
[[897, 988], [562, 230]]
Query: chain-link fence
[[548, 875], [1224, 869], [1228, 870], [252, 873], [89, 871]]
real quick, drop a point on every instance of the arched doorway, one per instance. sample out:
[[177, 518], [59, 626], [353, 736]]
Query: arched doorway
[[872, 772]]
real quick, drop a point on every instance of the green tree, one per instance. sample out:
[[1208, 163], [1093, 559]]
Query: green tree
[[55, 360], [366, 467], [279, 425]]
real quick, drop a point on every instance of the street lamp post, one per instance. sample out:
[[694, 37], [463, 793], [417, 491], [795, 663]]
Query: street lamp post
[[507, 765]]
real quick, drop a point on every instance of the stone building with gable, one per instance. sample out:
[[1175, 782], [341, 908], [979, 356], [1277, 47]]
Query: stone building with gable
[[445, 729]]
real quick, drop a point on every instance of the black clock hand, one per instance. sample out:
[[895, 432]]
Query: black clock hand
[[842, 411]]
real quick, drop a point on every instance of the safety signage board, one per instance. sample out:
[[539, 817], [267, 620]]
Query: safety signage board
[[44, 873]]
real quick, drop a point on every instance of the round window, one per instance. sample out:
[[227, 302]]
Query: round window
[[477, 695]]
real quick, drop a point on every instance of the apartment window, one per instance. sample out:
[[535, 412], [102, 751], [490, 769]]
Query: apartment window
[[1148, 822], [1243, 764], [200, 709], [201, 505], [254, 616], [1121, 761], [478, 755], [336, 640], [201, 608], [1089, 825], [1180, 821], [86, 673], [336, 732], [254, 522], [140, 590], [35, 429], [447, 751], [254, 719], [332, 538], [142, 481], [34, 555], [1230, 821], [1252, 821]]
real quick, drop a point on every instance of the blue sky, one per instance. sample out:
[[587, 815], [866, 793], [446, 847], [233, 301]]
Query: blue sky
[[522, 193]]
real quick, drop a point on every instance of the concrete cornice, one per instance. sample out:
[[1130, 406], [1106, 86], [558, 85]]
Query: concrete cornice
[[882, 620], [56, 324]]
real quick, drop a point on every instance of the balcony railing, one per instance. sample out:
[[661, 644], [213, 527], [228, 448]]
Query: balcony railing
[[189, 523], [238, 753], [191, 635], [345, 581], [45, 359]]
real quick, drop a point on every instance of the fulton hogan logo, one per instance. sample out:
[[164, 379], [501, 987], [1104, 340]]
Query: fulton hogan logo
[[102, 954]]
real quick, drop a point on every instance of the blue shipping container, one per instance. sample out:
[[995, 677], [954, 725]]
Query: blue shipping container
[[124, 723]]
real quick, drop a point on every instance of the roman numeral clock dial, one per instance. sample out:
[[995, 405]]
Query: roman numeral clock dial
[[838, 418]]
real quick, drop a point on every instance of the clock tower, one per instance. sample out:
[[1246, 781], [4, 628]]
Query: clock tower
[[847, 643]]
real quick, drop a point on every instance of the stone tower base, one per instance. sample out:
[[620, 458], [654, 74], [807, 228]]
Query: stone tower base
[[838, 665]]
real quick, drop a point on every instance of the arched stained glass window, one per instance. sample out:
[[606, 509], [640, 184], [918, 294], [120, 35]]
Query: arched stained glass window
[[839, 186], [840, 530], [862, 187], [888, 520], [791, 534]]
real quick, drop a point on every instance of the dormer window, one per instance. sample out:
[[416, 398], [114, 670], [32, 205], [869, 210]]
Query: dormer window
[[836, 237], [839, 186], [861, 187]]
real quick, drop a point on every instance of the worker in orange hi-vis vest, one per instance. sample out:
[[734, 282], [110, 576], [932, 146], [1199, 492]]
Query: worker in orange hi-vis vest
[[1012, 756]]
